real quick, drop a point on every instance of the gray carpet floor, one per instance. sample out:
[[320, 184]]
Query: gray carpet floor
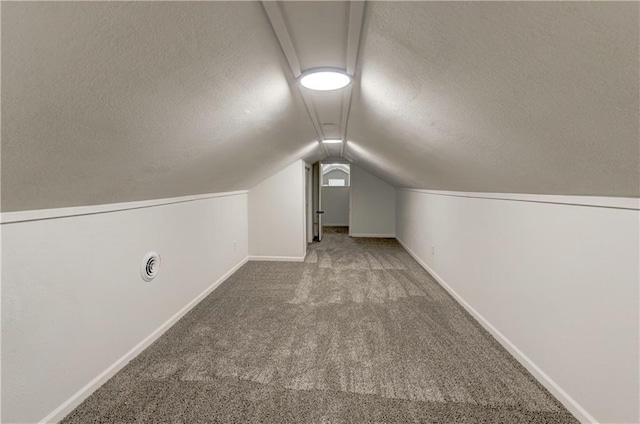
[[358, 333]]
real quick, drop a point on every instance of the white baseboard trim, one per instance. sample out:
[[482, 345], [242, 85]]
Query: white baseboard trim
[[70, 404], [372, 235], [571, 404], [277, 258]]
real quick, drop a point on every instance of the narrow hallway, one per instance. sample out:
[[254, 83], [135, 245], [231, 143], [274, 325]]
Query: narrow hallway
[[359, 332]]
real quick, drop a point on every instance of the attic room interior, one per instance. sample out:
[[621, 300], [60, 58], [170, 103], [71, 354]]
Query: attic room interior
[[319, 211]]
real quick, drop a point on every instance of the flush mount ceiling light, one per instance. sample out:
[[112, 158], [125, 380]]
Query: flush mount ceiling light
[[325, 79], [332, 140]]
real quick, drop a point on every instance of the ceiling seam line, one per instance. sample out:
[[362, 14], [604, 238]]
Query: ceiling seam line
[[313, 115], [346, 105], [356, 17], [282, 34], [274, 14]]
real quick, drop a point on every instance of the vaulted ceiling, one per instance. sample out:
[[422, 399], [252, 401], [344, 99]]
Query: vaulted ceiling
[[107, 102]]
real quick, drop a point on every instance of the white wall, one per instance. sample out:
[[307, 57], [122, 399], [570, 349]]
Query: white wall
[[335, 204], [557, 282], [277, 216], [74, 305], [373, 210]]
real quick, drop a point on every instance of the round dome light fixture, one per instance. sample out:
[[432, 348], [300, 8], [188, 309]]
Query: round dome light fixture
[[325, 79]]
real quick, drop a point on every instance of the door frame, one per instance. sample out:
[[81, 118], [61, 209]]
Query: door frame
[[308, 202]]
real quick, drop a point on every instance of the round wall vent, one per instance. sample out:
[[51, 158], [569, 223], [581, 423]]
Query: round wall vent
[[150, 266]]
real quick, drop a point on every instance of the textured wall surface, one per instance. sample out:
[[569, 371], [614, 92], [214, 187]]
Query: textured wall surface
[[106, 102], [525, 97]]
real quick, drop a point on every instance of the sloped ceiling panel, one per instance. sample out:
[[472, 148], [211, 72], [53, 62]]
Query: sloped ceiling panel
[[319, 31], [110, 102], [531, 97]]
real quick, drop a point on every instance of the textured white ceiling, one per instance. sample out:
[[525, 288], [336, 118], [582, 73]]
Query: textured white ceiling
[[529, 97], [109, 102], [319, 32]]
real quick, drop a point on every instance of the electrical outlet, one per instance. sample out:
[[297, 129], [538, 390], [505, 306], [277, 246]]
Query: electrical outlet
[[235, 245], [433, 250]]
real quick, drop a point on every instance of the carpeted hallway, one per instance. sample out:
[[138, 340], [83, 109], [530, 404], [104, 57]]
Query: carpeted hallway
[[359, 332]]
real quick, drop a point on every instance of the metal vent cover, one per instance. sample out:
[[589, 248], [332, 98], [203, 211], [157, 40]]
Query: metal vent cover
[[150, 266]]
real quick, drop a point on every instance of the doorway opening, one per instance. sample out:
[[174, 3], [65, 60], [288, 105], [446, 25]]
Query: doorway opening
[[335, 191]]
